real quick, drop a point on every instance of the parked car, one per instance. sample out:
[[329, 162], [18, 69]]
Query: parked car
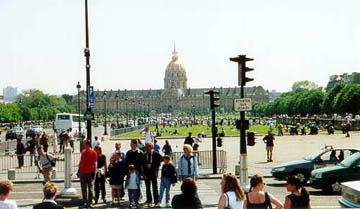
[[329, 179], [15, 133], [327, 156], [350, 194], [31, 132]]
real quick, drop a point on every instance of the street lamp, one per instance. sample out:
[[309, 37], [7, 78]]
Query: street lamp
[[105, 125], [117, 109], [193, 106], [78, 86], [20, 104], [127, 114], [134, 110]]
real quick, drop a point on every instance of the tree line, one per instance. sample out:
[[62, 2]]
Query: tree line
[[341, 99], [33, 105]]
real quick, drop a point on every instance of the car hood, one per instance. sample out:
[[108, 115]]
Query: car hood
[[292, 163], [328, 169]]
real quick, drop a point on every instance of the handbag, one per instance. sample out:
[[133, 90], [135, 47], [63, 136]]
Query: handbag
[[52, 162], [228, 206]]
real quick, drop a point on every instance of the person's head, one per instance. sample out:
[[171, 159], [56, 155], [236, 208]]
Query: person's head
[[190, 133], [98, 150], [146, 129], [87, 144], [166, 159], [133, 144], [55, 130], [70, 129], [62, 131], [40, 150], [6, 187], [199, 135], [256, 181], [167, 142], [293, 184], [155, 141], [188, 187], [18, 141], [230, 183], [96, 138], [149, 147], [117, 146], [187, 149], [49, 191], [131, 168], [269, 133]]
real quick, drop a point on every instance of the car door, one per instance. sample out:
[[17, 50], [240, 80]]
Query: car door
[[354, 172], [328, 158]]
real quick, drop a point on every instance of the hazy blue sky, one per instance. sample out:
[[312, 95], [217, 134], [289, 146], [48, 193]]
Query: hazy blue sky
[[42, 42]]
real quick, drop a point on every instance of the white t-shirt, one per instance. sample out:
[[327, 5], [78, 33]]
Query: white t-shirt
[[132, 181], [95, 143], [148, 136], [54, 138], [232, 200], [8, 204]]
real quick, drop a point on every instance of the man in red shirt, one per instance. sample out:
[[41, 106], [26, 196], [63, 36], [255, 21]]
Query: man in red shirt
[[87, 167]]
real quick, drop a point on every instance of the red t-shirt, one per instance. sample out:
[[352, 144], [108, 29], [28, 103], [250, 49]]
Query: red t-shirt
[[87, 161]]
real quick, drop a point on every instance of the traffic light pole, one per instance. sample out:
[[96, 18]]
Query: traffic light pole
[[87, 55], [214, 134]]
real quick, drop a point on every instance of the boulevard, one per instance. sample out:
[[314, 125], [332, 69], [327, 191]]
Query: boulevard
[[286, 148]]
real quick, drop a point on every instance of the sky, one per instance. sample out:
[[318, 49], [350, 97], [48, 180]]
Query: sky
[[131, 42]]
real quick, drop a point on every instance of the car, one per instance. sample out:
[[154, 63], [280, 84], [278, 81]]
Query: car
[[350, 194], [14, 133], [327, 156], [329, 178], [31, 132]]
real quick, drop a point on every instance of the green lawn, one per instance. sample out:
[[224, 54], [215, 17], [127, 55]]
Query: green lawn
[[229, 130]]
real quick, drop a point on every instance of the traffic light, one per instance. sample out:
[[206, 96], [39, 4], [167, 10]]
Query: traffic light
[[242, 124], [213, 99], [250, 138], [219, 142], [241, 60]]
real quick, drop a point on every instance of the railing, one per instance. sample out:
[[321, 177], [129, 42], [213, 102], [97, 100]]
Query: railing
[[205, 159], [120, 131], [11, 162]]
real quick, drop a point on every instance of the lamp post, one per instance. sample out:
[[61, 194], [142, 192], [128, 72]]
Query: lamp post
[[134, 110], [193, 106], [117, 109], [105, 110], [39, 105], [127, 114], [87, 56], [78, 86], [20, 104]]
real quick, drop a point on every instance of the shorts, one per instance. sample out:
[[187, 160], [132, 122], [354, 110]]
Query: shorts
[[269, 148]]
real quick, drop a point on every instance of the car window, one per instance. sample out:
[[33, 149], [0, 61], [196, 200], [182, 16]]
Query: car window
[[330, 155]]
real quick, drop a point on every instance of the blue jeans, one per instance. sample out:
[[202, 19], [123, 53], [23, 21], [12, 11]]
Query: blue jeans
[[165, 184], [133, 196]]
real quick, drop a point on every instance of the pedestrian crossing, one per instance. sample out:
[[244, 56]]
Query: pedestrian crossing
[[27, 197]]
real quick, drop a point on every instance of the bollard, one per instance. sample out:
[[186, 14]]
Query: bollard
[[11, 174], [53, 176], [68, 173], [237, 170]]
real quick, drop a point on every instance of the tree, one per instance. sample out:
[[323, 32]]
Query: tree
[[68, 98], [327, 105], [309, 85], [347, 99]]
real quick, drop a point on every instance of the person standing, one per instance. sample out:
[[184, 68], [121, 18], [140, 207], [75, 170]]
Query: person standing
[[149, 136], [257, 198], [133, 185], [6, 187], [87, 167], [100, 175], [32, 147], [61, 138], [188, 165], [156, 146], [20, 151], [71, 139], [347, 128], [117, 171], [134, 157], [233, 196], [44, 141], [49, 191], [167, 148], [168, 178], [280, 131], [188, 198], [296, 199], [189, 140], [269, 141], [123, 162], [54, 140], [150, 169], [95, 142], [271, 126]]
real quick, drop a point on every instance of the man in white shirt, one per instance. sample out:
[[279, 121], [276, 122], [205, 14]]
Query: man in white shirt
[[95, 143], [71, 139], [149, 136]]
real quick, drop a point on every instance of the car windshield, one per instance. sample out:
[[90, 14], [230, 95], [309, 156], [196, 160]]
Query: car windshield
[[350, 160], [314, 155]]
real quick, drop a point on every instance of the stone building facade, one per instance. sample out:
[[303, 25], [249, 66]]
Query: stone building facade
[[345, 78], [175, 97]]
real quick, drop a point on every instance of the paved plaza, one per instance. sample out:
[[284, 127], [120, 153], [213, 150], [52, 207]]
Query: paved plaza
[[286, 148]]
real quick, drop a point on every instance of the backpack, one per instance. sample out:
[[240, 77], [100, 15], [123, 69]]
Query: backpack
[[52, 162]]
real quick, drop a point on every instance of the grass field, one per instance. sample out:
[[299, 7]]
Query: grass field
[[229, 130]]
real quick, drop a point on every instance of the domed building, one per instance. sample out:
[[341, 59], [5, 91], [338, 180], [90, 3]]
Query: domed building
[[175, 97]]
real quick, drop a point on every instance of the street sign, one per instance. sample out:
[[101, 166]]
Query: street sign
[[242, 104], [91, 97]]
